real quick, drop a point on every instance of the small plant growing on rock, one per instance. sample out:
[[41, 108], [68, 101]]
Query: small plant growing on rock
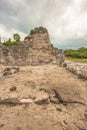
[[31, 31]]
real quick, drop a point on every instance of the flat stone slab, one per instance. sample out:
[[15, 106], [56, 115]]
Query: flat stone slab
[[9, 101], [42, 100], [26, 101]]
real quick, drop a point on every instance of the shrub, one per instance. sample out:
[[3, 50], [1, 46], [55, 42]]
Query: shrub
[[8, 42], [31, 31], [15, 42], [81, 52]]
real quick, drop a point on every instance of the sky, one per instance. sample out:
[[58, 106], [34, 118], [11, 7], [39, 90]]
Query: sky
[[66, 20]]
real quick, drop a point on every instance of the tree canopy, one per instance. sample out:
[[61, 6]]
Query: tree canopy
[[81, 52], [16, 40], [16, 37]]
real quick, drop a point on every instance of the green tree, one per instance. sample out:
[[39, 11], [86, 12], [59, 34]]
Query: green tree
[[81, 52], [16, 40], [16, 37]]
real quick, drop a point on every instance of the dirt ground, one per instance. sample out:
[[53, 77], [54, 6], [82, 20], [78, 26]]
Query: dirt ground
[[29, 83]]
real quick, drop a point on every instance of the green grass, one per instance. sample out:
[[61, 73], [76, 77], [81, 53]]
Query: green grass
[[78, 60]]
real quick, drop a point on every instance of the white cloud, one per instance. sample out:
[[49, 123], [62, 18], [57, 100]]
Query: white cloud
[[65, 19], [5, 33]]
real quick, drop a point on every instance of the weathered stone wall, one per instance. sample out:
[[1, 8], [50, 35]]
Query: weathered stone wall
[[36, 49], [77, 68]]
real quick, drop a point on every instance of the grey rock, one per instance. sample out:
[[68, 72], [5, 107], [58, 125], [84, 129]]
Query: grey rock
[[59, 109], [18, 128], [78, 68], [9, 101], [42, 100], [42, 87], [9, 71]]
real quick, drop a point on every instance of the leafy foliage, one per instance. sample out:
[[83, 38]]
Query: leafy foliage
[[16, 37], [31, 31], [16, 40], [81, 52]]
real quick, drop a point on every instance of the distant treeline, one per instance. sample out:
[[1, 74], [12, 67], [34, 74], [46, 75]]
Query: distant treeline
[[79, 53]]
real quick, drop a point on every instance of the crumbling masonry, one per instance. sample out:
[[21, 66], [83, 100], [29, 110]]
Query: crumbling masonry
[[36, 49]]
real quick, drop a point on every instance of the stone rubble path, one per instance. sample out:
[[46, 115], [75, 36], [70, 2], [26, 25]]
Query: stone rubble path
[[34, 82]]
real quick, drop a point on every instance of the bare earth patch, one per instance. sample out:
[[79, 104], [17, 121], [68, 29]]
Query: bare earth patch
[[37, 81]]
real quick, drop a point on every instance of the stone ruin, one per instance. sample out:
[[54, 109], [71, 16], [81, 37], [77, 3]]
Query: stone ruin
[[36, 49]]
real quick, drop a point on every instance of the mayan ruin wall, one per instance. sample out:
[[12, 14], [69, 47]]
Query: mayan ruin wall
[[36, 49]]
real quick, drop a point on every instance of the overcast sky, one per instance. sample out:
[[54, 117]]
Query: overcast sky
[[66, 20]]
